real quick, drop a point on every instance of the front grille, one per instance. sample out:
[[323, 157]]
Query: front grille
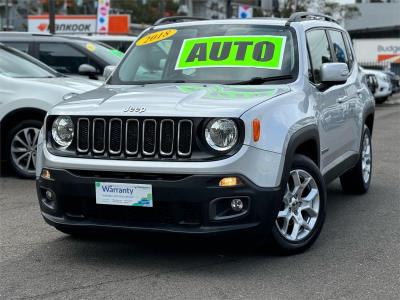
[[134, 138], [83, 135]]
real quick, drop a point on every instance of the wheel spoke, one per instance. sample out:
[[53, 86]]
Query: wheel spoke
[[27, 136], [18, 149], [28, 161], [36, 137], [283, 213], [302, 186], [285, 225], [295, 231], [310, 196], [310, 211], [22, 156], [34, 159], [23, 143], [296, 179]]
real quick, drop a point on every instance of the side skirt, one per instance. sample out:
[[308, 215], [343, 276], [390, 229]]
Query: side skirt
[[341, 168]]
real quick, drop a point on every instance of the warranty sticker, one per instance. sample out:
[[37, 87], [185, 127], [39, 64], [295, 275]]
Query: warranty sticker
[[259, 51], [156, 37]]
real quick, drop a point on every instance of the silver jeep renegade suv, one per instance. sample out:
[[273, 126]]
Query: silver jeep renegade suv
[[213, 126]]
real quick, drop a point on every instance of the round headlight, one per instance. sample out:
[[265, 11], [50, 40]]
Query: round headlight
[[63, 131], [221, 134]]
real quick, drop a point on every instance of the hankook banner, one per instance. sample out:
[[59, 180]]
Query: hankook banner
[[117, 24]]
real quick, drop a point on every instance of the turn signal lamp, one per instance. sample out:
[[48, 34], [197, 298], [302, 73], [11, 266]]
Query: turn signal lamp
[[256, 130], [46, 174], [229, 182]]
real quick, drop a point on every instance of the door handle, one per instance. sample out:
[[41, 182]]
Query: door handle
[[360, 92], [341, 100]]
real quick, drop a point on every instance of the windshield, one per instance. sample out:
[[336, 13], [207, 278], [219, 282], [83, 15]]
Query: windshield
[[18, 65], [211, 54], [106, 53]]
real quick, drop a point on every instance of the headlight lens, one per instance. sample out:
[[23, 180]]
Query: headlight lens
[[63, 131], [221, 134]]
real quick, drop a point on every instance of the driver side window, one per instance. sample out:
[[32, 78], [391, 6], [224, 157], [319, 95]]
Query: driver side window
[[319, 52], [152, 67]]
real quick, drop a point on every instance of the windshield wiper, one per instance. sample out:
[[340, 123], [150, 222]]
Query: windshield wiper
[[261, 80], [160, 82]]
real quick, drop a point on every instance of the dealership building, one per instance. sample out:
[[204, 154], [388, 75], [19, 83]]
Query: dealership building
[[376, 35]]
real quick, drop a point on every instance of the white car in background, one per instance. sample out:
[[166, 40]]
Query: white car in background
[[28, 89], [384, 88]]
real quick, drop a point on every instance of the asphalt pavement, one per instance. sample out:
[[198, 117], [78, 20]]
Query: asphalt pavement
[[356, 257]]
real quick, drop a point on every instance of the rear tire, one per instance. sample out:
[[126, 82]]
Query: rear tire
[[302, 214], [357, 180], [380, 100], [22, 146]]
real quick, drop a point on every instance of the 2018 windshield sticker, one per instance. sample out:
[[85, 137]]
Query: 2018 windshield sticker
[[156, 37], [259, 51]]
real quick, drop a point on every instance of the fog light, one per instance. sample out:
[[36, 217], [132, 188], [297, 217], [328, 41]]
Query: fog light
[[230, 181], [49, 195], [46, 174], [237, 204]]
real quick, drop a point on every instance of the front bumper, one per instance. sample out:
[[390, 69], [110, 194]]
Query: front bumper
[[193, 204]]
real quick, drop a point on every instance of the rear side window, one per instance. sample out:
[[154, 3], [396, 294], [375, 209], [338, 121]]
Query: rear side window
[[319, 51], [339, 47], [62, 57], [24, 47]]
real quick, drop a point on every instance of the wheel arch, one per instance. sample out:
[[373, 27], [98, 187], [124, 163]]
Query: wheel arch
[[369, 117], [305, 141], [12, 118]]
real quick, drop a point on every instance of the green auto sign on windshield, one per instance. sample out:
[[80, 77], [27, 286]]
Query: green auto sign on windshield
[[258, 51]]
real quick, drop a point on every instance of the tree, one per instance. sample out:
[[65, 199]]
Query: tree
[[331, 8]]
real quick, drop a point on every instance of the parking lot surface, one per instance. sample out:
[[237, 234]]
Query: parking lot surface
[[356, 257]]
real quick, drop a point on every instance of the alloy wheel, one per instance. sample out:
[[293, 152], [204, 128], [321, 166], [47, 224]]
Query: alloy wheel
[[366, 159], [300, 208], [23, 149]]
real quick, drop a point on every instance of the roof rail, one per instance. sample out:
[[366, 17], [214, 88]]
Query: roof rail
[[177, 19], [304, 16]]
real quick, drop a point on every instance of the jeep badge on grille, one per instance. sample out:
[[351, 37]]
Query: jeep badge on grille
[[137, 109]]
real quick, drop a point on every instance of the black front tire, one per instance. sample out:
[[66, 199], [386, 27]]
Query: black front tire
[[280, 244], [353, 181]]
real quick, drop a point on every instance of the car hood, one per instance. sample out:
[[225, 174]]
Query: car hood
[[69, 84], [190, 100]]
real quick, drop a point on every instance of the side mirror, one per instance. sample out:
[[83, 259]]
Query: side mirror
[[88, 70], [108, 70], [334, 73]]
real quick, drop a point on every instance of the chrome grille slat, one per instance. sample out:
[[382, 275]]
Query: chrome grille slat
[[164, 137], [148, 138], [81, 132], [96, 142], [184, 140], [115, 138], [130, 130]]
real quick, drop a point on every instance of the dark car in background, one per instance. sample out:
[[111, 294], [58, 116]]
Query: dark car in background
[[119, 42], [372, 82], [67, 55]]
